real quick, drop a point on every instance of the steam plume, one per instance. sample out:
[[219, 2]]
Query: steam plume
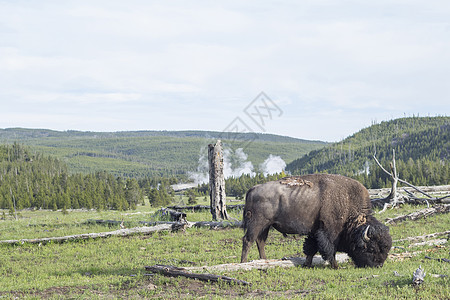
[[235, 164], [273, 164]]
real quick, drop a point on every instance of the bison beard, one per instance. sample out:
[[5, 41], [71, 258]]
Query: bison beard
[[333, 211]]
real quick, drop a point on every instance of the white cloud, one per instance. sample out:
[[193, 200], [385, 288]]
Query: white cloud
[[200, 64]]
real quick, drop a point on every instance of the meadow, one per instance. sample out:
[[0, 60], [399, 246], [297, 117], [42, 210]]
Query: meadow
[[114, 267]]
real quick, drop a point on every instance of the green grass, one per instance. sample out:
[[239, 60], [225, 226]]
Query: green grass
[[114, 267]]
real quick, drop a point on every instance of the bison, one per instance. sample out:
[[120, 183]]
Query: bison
[[333, 211]]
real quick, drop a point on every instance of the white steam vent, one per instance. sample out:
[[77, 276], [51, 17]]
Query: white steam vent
[[236, 165], [273, 164]]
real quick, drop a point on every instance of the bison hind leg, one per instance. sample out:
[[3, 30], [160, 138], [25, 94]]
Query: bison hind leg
[[245, 247], [326, 248], [258, 234], [261, 242]]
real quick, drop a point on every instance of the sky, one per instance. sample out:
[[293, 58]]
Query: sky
[[318, 70]]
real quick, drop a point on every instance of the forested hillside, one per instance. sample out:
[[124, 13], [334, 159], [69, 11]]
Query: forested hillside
[[29, 179], [421, 144], [81, 170], [140, 154]]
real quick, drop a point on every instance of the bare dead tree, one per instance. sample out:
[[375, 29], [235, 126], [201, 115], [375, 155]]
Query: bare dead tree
[[217, 182], [395, 198]]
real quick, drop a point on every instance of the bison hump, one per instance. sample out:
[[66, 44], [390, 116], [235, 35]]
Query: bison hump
[[295, 181]]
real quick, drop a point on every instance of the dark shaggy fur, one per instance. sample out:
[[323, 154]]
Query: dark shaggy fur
[[333, 211]]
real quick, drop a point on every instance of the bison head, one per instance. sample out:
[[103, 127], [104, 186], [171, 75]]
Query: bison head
[[369, 244]]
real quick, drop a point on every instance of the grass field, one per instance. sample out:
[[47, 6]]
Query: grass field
[[114, 267]]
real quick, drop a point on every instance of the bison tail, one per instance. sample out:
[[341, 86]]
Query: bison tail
[[247, 217], [247, 214]]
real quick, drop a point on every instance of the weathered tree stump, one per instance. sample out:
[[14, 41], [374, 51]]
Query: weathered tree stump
[[217, 182]]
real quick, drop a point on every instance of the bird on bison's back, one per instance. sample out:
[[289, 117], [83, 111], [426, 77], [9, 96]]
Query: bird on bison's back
[[333, 211]]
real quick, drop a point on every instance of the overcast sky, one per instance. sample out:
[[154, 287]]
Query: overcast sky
[[327, 68]]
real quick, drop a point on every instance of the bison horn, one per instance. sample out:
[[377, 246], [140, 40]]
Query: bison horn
[[365, 235]]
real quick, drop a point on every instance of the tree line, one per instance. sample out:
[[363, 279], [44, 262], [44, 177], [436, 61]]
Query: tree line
[[158, 189], [31, 180]]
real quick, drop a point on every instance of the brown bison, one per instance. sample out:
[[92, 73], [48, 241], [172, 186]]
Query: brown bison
[[332, 210]]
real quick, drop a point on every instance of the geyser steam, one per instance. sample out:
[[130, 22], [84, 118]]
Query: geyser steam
[[273, 164], [236, 165]]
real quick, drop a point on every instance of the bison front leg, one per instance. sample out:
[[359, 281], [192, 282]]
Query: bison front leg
[[326, 248], [310, 248]]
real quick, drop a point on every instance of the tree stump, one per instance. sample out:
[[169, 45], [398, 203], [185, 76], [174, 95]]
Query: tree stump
[[217, 182]]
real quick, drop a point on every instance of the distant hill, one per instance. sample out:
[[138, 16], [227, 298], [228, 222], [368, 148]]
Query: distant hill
[[421, 144], [150, 153]]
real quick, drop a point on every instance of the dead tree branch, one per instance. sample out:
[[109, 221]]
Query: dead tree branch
[[429, 243], [422, 237], [395, 198], [437, 209], [438, 259]]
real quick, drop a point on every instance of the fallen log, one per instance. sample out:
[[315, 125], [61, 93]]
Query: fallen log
[[437, 209], [203, 207], [429, 243], [84, 236], [199, 224], [129, 223], [422, 237], [216, 225], [436, 190], [438, 259], [260, 264], [145, 230], [263, 264], [183, 272]]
